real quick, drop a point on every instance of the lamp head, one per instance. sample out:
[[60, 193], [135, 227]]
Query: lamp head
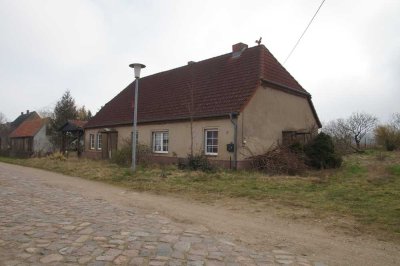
[[137, 67]]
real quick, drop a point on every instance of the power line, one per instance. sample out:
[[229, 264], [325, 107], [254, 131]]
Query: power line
[[323, 1]]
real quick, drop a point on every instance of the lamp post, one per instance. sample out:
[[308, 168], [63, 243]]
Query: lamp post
[[137, 67]]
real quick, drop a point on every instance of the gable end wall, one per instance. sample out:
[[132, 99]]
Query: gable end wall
[[268, 113], [41, 142]]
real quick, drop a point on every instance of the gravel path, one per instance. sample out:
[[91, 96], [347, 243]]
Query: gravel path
[[44, 224]]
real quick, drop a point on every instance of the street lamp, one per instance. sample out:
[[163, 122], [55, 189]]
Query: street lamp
[[137, 68]]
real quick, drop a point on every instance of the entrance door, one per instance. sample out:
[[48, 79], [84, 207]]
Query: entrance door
[[109, 144], [112, 143]]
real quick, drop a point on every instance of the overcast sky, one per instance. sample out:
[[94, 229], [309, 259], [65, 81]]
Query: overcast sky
[[349, 60]]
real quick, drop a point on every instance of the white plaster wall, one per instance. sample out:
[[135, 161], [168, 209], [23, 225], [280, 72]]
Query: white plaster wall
[[41, 142]]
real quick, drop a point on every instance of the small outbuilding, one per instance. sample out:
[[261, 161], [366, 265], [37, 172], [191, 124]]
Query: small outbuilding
[[30, 138], [72, 132]]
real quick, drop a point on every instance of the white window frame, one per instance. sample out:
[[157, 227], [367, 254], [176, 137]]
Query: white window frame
[[137, 137], [99, 141], [205, 142], [91, 141], [162, 132]]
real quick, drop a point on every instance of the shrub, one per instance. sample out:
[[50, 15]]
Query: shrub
[[196, 162], [57, 156], [123, 156], [388, 136], [321, 153]]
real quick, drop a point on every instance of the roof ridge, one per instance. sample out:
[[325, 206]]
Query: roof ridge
[[262, 60], [195, 62], [280, 65], [170, 70]]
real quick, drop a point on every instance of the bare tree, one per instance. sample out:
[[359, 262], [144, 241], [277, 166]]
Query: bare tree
[[84, 114], [346, 132], [3, 118], [340, 134], [359, 124], [46, 112], [395, 121], [337, 129]]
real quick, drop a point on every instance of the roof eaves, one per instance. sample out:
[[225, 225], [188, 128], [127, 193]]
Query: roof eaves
[[314, 112], [285, 88], [176, 119], [276, 61]]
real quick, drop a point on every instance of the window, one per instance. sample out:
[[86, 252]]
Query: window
[[91, 141], [99, 141], [211, 142], [160, 142], [137, 137]]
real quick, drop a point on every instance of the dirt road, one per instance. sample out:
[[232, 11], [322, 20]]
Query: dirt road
[[256, 227]]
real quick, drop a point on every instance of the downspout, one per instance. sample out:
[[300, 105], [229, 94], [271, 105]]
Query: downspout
[[233, 118]]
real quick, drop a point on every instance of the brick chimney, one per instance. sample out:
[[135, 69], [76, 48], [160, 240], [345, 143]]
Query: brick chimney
[[238, 48], [27, 111]]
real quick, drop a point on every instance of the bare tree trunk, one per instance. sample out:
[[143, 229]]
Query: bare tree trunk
[[357, 143]]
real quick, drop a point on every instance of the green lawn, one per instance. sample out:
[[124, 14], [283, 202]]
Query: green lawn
[[367, 187]]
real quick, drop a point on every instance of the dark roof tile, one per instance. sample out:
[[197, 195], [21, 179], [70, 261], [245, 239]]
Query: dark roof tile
[[219, 86]]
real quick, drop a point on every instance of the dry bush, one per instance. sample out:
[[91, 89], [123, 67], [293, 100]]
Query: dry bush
[[123, 156], [279, 160], [196, 162], [388, 136], [57, 156]]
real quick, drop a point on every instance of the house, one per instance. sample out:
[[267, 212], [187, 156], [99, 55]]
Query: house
[[228, 107], [7, 128], [30, 137]]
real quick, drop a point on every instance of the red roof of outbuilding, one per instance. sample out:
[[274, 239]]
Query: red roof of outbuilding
[[209, 88], [28, 128]]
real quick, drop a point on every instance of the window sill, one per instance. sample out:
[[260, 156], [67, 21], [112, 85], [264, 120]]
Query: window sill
[[211, 154], [160, 152]]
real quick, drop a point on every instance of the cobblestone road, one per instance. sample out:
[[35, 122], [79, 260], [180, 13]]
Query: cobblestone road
[[42, 224]]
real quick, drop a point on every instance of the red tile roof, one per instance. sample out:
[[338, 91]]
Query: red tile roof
[[28, 128], [219, 85]]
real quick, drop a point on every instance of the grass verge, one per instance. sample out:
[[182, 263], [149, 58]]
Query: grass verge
[[366, 187]]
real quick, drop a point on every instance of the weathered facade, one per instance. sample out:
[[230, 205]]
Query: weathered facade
[[6, 129], [30, 138], [228, 107]]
